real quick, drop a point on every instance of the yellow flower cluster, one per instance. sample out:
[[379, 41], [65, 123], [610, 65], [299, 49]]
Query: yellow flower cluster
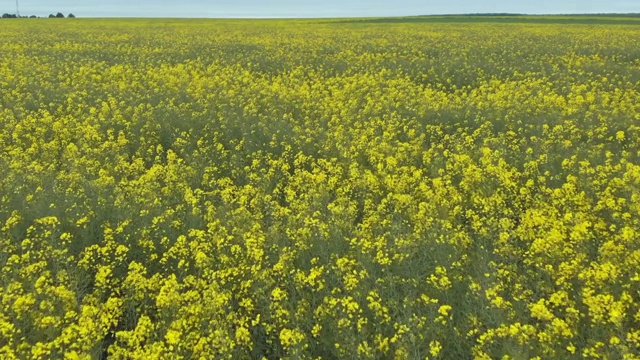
[[175, 189]]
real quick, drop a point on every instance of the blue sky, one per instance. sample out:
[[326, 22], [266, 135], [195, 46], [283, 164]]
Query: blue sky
[[307, 8]]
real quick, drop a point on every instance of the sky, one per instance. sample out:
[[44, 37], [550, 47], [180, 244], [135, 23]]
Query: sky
[[309, 8]]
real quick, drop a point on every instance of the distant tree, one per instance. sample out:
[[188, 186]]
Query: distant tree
[[51, 16], [9, 16], [32, 17], [71, 16], [60, 15]]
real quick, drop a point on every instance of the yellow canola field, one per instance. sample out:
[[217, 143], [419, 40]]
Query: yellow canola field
[[190, 189]]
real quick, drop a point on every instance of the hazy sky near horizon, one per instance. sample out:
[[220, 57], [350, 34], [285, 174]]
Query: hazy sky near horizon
[[307, 8]]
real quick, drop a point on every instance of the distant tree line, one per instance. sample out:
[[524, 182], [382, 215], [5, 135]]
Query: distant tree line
[[495, 14], [58, 15]]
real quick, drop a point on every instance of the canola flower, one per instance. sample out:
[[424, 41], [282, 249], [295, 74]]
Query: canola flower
[[319, 190]]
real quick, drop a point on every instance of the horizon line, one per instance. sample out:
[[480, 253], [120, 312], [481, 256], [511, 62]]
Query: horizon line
[[495, 14]]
